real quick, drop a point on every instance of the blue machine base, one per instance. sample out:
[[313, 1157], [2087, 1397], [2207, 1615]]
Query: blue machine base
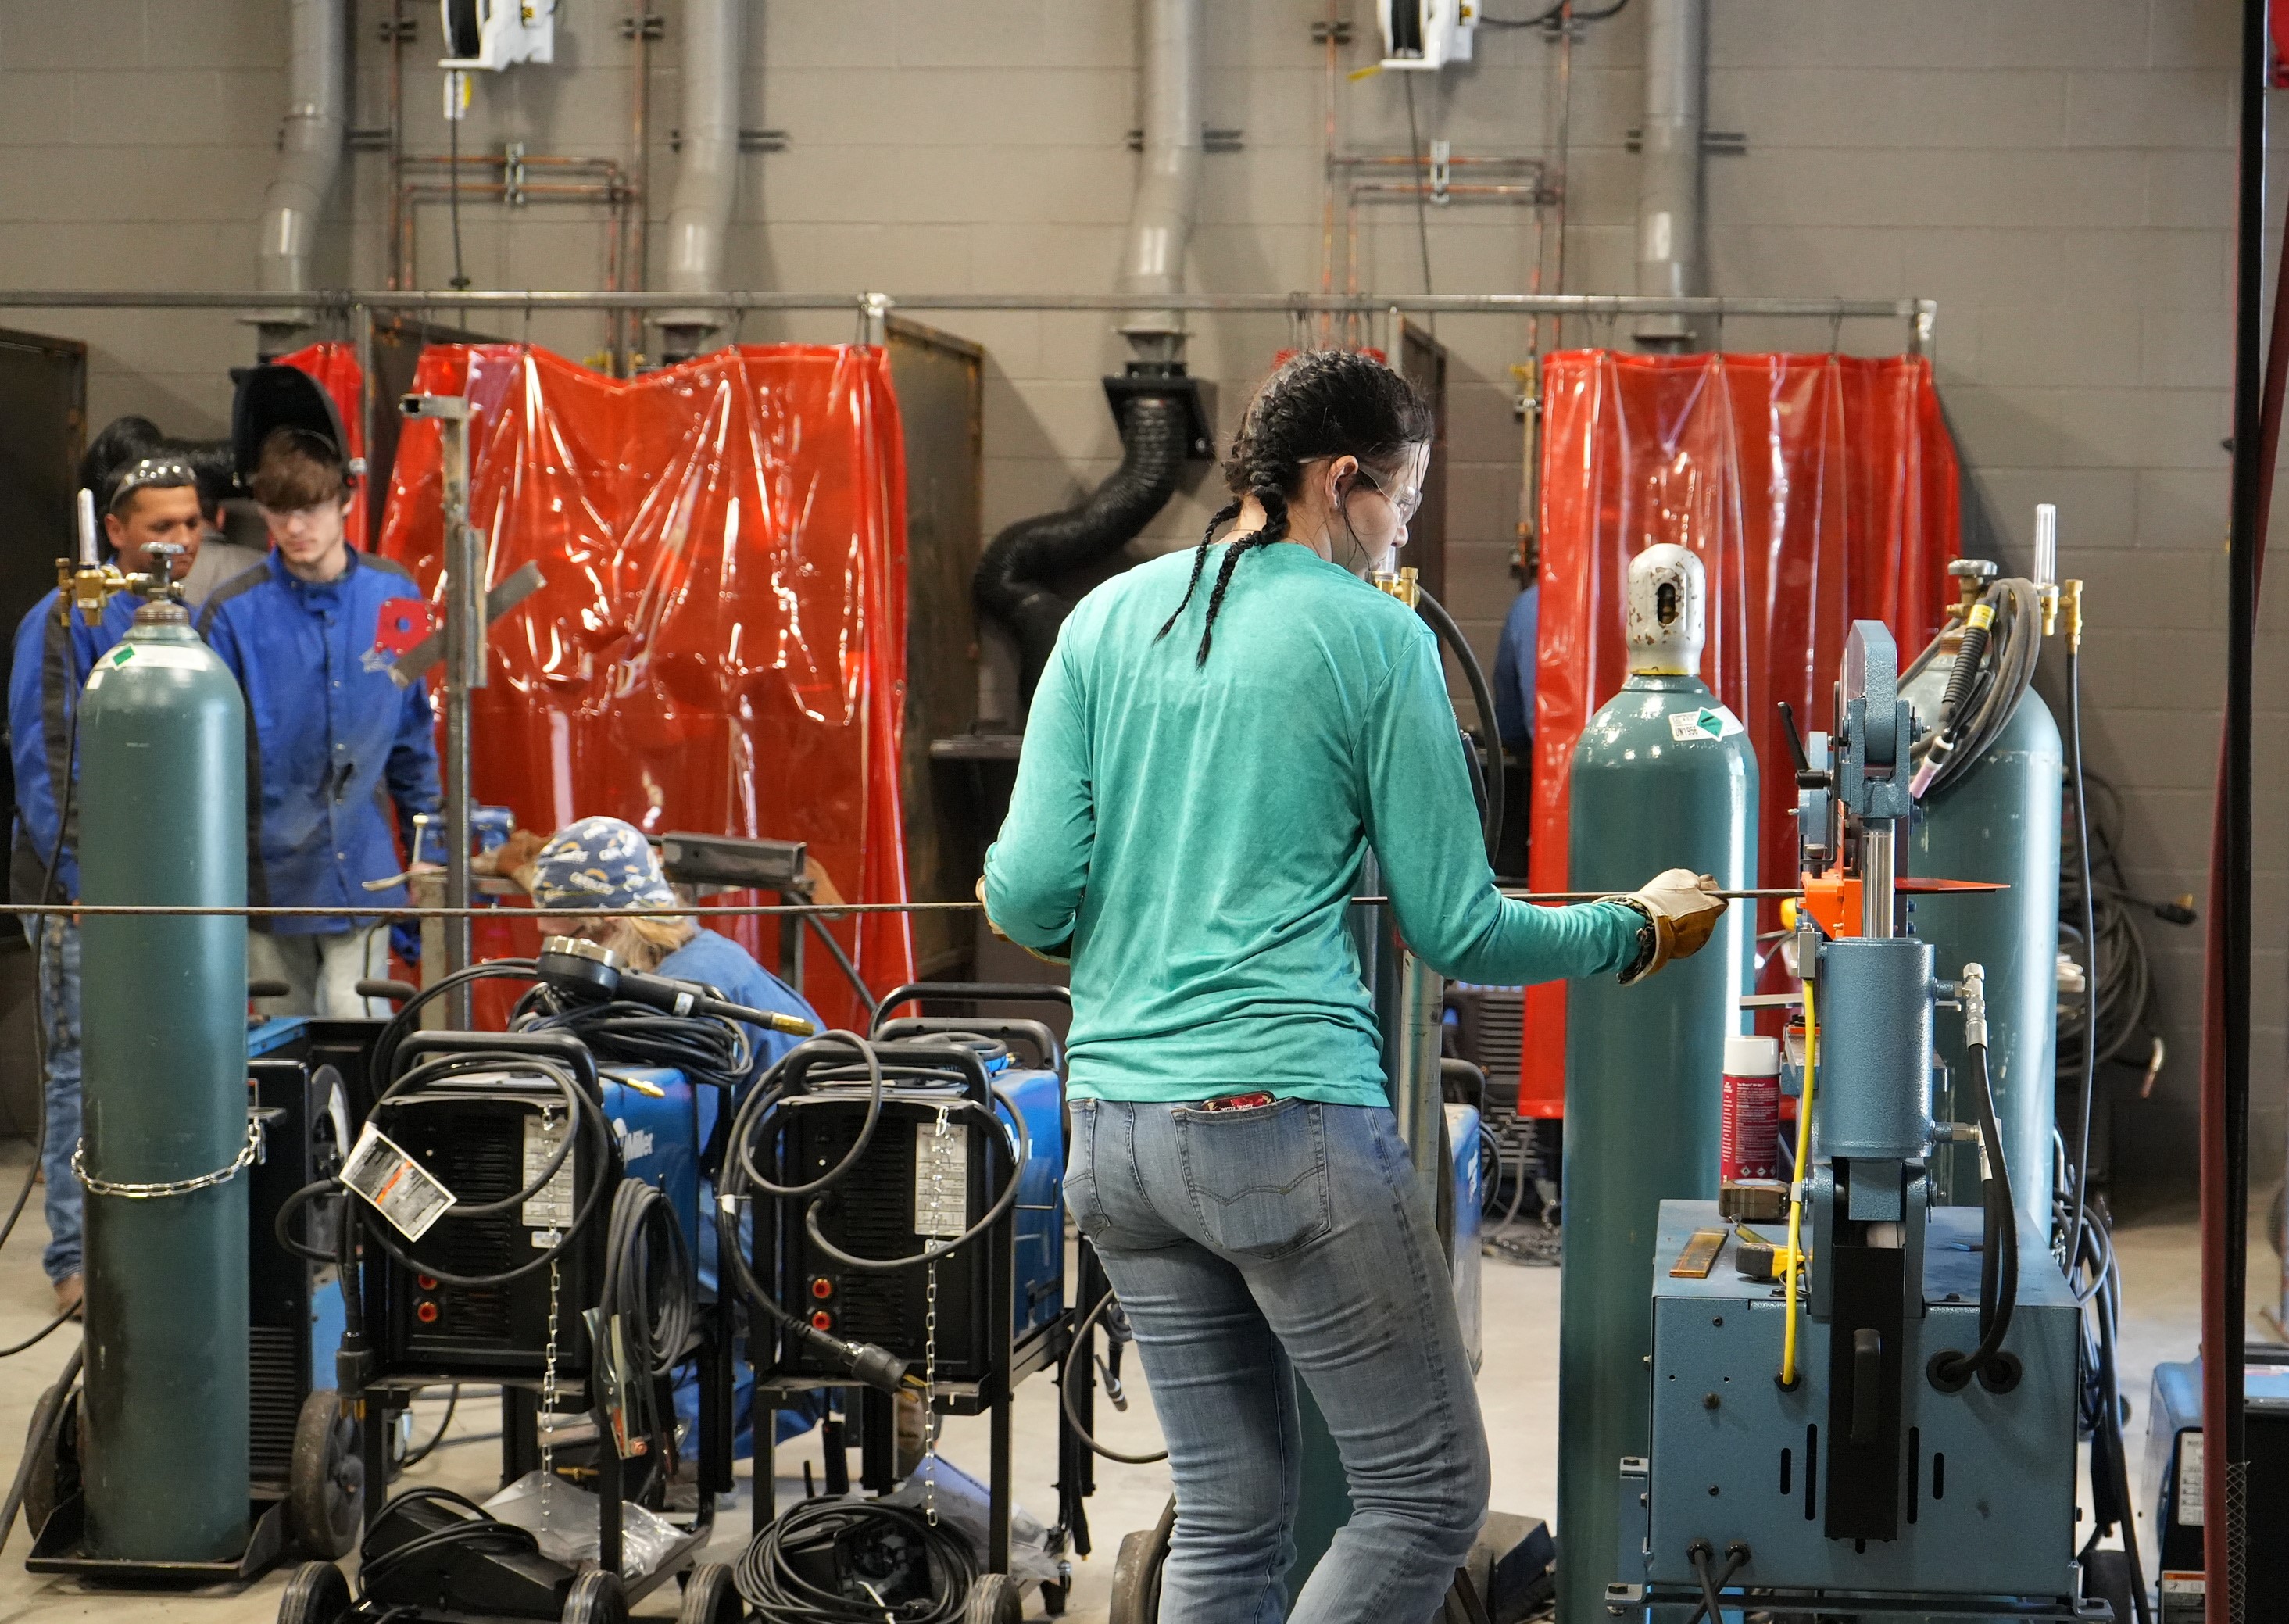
[[1987, 1518]]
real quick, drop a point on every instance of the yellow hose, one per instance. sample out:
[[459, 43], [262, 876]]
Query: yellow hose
[[1796, 1191]]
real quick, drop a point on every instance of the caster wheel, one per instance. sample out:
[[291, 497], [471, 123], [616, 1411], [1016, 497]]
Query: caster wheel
[[710, 1597], [1137, 1573], [993, 1599], [51, 1441], [1053, 1600], [316, 1594], [596, 1598], [325, 1483]]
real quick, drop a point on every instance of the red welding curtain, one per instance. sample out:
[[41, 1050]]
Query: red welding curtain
[[719, 645], [1817, 489]]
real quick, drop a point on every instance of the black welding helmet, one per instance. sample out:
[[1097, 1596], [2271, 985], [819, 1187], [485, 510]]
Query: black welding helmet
[[272, 397]]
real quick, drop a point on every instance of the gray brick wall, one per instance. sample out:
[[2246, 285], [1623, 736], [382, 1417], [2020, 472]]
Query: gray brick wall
[[2056, 172]]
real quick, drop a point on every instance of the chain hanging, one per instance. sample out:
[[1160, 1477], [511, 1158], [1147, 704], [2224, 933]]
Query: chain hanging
[[247, 1153]]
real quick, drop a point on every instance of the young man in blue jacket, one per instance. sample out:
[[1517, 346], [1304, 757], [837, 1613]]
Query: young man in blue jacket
[[336, 749], [152, 500]]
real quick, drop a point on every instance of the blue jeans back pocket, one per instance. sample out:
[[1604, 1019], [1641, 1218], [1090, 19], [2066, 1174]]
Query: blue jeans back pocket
[[1081, 1167], [1257, 1178]]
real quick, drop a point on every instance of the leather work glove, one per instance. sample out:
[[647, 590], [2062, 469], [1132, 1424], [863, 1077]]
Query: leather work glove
[[1683, 910]]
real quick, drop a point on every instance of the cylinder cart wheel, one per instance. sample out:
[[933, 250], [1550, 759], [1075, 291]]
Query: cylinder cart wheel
[[51, 1442], [596, 1598], [325, 1483], [993, 1599], [710, 1597], [1137, 1573], [316, 1594]]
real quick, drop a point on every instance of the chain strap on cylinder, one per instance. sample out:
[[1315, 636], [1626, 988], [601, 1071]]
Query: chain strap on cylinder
[[165, 1188]]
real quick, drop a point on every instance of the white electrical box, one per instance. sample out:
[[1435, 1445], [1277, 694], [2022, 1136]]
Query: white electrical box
[[497, 34], [1427, 34]]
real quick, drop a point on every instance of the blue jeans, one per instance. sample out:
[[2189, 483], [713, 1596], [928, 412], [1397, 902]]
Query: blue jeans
[[1246, 1245], [58, 991]]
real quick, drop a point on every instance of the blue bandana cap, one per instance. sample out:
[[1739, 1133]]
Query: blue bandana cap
[[597, 863]]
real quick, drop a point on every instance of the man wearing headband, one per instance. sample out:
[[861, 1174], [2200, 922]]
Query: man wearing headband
[[335, 746], [601, 864], [147, 501]]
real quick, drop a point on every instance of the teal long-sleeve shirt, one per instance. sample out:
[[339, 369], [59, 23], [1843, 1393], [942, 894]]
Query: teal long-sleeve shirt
[[1192, 835]]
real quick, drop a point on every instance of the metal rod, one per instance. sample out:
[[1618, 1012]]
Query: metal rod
[[1877, 911], [546, 298], [671, 912]]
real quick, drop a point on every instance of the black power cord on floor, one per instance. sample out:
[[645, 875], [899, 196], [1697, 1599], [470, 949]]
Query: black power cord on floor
[[779, 1574]]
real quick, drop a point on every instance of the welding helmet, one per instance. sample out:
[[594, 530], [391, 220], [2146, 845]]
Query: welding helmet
[[272, 397]]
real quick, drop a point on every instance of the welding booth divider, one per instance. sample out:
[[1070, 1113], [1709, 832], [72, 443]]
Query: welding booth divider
[[1816, 489]]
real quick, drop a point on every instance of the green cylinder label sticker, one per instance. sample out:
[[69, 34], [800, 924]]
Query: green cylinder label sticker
[[1707, 722]]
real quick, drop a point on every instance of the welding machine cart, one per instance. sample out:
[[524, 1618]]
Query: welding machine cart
[[868, 1199], [471, 1300]]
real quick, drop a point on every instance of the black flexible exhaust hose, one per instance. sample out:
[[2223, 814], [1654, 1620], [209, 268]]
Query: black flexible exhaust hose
[[1011, 584]]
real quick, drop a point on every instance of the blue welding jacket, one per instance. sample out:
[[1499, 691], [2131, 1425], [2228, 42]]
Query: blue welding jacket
[[47, 671], [335, 746]]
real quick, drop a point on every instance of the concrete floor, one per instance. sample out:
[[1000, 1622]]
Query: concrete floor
[[1519, 1389]]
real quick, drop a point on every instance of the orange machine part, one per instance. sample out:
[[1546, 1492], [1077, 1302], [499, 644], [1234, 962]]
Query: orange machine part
[[1817, 489], [720, 642], [1833, 901]]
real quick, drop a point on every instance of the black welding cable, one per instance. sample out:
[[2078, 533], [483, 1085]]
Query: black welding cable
[[766, 1099], [401, 1025], [1081, 1339], [776, 1576], [2109, 1304], [453, 1403], [648, 1278], [2081, 1165], [993, 1214], [1998, 1285]]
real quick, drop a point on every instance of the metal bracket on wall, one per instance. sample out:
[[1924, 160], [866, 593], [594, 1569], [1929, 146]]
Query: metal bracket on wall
[[1337, 31], [750, 141], [651, 25], [397, 30], [1714, 143], [1212, 140]]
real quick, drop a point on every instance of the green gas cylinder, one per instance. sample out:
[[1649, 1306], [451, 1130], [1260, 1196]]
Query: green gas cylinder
[[1663, 777], [1995, 818], [162, 1430]]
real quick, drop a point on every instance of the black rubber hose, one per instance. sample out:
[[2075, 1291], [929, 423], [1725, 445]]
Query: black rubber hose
[[2081, 1166], [1011, 585], [1483, 698], [1998, 1292], [1081, 1341]]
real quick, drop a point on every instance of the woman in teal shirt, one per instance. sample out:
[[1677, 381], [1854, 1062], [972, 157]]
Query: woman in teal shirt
[[1215, 746]]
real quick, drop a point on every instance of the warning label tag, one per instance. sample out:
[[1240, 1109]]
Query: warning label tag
[[393, 1184], [941, 1180], [1707, 722], [550, 1209]]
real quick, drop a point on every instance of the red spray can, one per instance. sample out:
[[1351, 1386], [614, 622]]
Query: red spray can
[[1749, 1138]]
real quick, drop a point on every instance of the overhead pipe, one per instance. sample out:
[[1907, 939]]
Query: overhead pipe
[[1168, 197], [310, 157], [1161, 416], [1669, 164], [708, 171]]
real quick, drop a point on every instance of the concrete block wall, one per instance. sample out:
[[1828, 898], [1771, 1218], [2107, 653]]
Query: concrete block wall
[[2056, 172]]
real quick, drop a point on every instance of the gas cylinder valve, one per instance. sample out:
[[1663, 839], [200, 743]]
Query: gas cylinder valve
[[88, 585]]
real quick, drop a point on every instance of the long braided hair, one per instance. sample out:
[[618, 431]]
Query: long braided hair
[[1318, 403]]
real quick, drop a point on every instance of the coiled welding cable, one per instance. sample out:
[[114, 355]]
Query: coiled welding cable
[[774, 1582], [1995, 665], [707, 1049], [648, 1278]]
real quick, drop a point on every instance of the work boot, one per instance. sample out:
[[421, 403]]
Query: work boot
[[71, 1291]]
